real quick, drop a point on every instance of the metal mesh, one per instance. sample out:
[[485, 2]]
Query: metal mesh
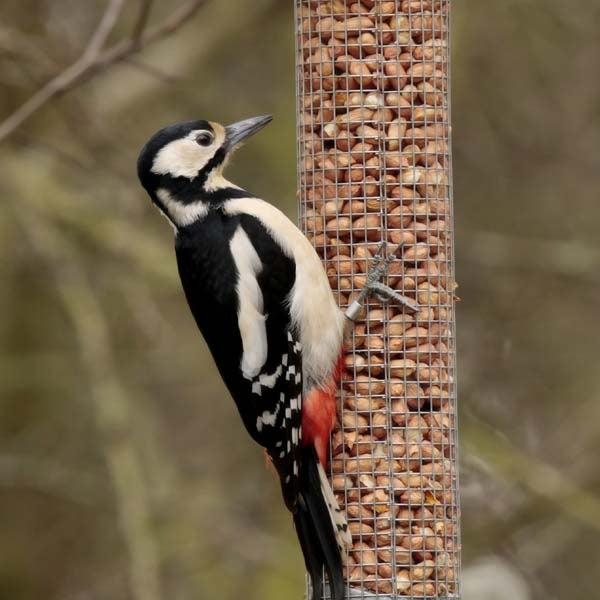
[[374, 165]]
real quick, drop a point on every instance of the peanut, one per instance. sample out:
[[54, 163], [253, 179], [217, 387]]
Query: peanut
[[374, 159]]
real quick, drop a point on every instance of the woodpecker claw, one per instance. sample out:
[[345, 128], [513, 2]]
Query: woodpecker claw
[[374, 287], [385, 293]]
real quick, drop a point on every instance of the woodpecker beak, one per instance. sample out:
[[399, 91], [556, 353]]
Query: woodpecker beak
[[238, 132]]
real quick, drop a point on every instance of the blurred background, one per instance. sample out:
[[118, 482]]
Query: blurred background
[[124, 471]]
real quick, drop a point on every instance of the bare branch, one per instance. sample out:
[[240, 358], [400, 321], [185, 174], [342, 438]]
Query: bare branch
[[127, 47], [94, 60], [98, 39], [142, 20], [62, 80]]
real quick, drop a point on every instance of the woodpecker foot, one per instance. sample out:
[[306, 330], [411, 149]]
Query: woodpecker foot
[[374, 287]]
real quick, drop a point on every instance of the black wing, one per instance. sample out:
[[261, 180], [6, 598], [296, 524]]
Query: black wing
[[270, 403]]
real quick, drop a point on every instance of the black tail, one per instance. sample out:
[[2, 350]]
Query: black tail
[[315, 529]]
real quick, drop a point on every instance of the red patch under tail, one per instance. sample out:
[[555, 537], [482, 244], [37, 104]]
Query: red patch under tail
[[319, 414]]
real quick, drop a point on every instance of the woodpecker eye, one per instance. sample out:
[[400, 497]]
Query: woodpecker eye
[[205, 138]]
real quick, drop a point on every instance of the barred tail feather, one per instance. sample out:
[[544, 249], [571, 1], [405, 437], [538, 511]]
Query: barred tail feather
[[338, 519], [320, 527]]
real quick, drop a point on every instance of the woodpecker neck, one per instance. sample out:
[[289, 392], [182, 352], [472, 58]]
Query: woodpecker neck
[[185, 201]]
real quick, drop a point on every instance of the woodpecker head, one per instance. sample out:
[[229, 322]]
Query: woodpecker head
[[181, 165]]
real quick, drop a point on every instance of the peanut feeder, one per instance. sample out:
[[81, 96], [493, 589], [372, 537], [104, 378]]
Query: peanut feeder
[[374, 165]]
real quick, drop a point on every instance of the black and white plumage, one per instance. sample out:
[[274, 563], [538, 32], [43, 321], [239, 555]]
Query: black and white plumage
[[262, 301]]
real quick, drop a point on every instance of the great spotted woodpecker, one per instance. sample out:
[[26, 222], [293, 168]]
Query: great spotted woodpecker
[[261, 299]]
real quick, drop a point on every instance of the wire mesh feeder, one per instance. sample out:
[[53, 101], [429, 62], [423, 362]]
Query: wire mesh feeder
[[374, 164]]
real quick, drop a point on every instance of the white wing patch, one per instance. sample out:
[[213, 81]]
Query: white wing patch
[[270, 380], [251, 320], [265, 380], [314, 311], [267, 418]]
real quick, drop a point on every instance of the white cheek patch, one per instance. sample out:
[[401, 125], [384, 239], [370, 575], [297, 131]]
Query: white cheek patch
[[182, 158], [179, 213], [251, 320]]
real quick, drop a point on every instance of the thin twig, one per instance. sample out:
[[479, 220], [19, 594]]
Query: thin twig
[[125, 48], [142, 20], [99, 37], [94, 60], [70, 74]]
